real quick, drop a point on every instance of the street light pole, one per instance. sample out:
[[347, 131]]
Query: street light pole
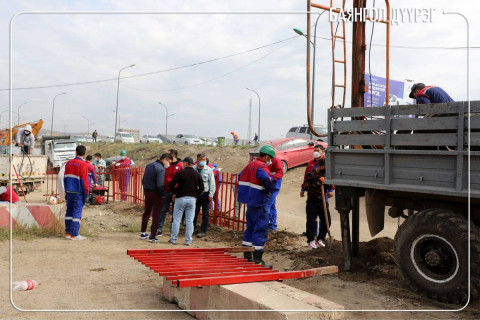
[[18, 112], [166, 120], [53, 109], [314, 44], [88, 124], [118, 89], [258, 112]]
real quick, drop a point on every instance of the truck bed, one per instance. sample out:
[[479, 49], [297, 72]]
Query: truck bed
[[411, 148]]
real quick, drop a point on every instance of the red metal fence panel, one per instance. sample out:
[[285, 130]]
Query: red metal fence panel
[[125, 184]]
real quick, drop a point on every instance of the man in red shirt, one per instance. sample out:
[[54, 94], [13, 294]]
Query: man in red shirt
[[6, 192], [123, 166], [175, 166], [276, 174]]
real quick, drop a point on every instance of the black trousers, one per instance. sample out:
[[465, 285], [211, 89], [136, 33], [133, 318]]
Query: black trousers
[[315, 208], [203, 203], [153, 206]]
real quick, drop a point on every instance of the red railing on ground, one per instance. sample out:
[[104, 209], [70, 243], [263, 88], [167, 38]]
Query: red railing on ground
[[125, 184]]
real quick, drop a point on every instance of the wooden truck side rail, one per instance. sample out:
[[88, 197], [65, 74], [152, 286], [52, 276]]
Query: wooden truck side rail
[[412, 148]]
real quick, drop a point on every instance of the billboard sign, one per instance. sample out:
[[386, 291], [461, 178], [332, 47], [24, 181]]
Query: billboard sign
[[398, 94]]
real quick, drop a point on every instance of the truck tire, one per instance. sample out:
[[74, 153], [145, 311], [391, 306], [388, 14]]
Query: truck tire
[[431, 249]]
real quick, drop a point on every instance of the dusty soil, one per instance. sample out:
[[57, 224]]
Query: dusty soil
[[97, 273]]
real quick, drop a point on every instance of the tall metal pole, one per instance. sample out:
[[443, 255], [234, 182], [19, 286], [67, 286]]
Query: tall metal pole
[[88, 124], [313, 71], [249, 120], [258, 111], [166, 120], [358, 58], [116, 109], [53, 110], [18, 112]]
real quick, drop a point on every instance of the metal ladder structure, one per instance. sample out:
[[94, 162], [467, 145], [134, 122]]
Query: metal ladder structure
[[358, 83], [341, 38]]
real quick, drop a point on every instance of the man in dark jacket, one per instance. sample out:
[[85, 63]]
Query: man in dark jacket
[[175, 166], [186, 186], [429, 94], [154, 188]]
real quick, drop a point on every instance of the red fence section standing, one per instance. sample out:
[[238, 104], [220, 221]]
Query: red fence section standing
[[125, 184]]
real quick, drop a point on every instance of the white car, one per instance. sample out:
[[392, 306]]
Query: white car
[[109, 139], [186, 139], [124, 137], [150, 138], [209, 142], [304, 132], [79, 138]]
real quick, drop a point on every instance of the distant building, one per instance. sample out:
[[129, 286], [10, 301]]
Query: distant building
[[135, 133]]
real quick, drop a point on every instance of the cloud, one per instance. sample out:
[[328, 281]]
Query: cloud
[[61, 48]]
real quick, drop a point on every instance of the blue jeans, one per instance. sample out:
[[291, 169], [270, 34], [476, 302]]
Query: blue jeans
[[182, 204], [163, 213]]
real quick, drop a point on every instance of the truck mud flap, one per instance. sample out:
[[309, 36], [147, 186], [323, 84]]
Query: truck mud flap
[[375, 201]]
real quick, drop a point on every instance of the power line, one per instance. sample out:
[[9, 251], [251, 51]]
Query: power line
[[220, 76], [411, 47], [153, 72], [229, 56]]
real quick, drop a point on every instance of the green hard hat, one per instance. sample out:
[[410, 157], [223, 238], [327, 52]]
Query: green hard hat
[[123, 152], [268, 149]]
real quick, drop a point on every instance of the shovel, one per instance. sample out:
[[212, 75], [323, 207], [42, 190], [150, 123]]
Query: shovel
[[330, 238]]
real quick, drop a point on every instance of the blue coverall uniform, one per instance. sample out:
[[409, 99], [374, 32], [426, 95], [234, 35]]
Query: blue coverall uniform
[[254, 187]]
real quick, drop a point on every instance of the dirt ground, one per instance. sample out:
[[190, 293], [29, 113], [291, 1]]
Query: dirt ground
[[98, 274]]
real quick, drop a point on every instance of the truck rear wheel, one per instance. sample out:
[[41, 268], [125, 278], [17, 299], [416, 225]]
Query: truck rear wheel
[[431, 249]]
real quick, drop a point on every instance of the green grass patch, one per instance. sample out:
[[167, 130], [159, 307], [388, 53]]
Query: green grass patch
[[134, 227], [21, 232]]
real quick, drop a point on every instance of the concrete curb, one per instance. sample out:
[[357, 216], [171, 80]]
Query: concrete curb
[[258, 296]]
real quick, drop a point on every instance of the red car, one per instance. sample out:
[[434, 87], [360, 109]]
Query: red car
[[293, 152]]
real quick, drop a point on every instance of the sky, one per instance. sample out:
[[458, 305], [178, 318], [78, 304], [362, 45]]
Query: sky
[[207, 99]]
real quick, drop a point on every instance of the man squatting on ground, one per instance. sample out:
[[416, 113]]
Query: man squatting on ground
[[186, 185], [76, 192], [313, 186], [254, 188], [8, 195], [175, 166], [154, 189], [203, 201]]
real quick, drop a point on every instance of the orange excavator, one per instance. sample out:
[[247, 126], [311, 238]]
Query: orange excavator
[[6, 138]]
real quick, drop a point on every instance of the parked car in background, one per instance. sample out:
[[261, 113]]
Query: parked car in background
[[209, 142], [110, 162], [88, 139], [304, 132], [109, 139], [147, 138], [164, 140], [79, 138], [124, 137], [186, 139], [292, 152]]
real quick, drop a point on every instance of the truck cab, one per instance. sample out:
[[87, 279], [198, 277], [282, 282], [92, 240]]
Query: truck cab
[[59, 150]]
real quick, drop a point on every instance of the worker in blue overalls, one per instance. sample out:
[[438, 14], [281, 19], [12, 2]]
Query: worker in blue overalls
[[254, 188], [76, 184]]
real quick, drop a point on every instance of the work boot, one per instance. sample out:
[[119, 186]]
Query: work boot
[[257, 259], [248, 255]]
